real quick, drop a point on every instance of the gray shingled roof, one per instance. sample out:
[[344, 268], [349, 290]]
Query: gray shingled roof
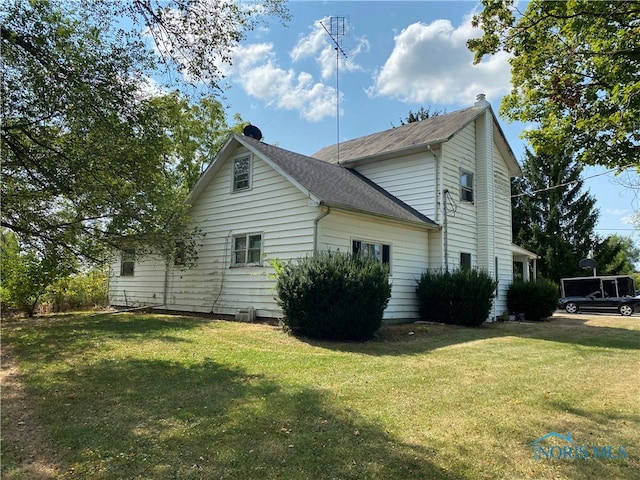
[[335, 185], [430, 131]]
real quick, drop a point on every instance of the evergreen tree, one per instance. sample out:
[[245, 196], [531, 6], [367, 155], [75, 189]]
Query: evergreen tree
[[420, 115], [552, 216]]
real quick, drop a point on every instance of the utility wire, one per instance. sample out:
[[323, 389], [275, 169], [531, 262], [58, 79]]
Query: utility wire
[[573, 181]]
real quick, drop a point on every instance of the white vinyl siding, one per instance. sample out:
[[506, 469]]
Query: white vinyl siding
[[273, 208], [503, 228], [144, 288], [458, 154], [229, 206], [411, 179], [408, 254]]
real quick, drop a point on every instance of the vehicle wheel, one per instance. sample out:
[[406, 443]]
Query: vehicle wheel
[[626, 310], [571, 307]]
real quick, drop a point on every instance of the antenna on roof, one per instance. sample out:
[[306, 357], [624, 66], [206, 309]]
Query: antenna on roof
[[337, 28]]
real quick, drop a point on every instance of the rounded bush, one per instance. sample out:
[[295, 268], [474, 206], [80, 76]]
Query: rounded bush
[[536, 300], [463, 297], [333, 296]]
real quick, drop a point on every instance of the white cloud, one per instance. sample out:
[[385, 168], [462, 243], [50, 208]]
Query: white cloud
[[256, 70], [320, 45], [431, 63]]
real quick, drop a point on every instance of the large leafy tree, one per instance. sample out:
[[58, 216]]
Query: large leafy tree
[[26, 275], [616, 255], [552, 215], [92, 160], [575, 69]]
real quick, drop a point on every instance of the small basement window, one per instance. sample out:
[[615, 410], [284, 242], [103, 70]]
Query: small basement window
[[127, 263], [247, 250]]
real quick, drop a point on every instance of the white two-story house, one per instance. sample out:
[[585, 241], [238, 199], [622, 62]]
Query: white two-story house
[[433, 194]]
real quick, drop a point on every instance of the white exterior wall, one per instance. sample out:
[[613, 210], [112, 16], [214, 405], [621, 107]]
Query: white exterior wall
[[459, 154], [283, 215], [503, 229], [145, 287], [272, 207], [411, 179], [409, 254]]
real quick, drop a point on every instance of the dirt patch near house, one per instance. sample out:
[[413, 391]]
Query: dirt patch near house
[[26, 454]]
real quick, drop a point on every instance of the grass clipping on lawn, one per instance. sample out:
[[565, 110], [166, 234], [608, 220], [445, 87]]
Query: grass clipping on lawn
[[165, 397]]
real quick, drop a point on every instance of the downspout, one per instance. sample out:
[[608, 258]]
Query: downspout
[[315, 228], [442, 207], [445, 233], [166, 283], [436, 208]]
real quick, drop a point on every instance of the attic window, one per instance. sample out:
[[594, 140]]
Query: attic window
[[241, 174], [466, 186]]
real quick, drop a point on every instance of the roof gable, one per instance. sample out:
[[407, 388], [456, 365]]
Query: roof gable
[[416, 136], [322, 182]]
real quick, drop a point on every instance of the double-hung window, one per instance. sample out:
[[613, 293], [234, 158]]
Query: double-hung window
[[379, 251], [247, 250], [127, 263], [466, 186], [241, 177]]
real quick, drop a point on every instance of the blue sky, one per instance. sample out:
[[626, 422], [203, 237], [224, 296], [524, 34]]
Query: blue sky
[[400, 56]]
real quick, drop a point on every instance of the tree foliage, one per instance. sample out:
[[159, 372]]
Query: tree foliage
[[92, 160], [616, 255], [26, 275], [575, 69], [552, 216], [194, 36], [420, 115]]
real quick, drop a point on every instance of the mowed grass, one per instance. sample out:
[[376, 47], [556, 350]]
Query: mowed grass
[[136, 396]]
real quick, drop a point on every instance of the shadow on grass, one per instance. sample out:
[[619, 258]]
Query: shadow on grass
[[163, 420], [417, 338], [48, 337]]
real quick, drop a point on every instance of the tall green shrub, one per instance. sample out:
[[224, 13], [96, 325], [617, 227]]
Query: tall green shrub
[[462, 297], [537, 300], [80, 291], [334, 296]]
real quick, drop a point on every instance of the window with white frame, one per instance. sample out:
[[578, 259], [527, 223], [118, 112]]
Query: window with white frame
[[466, 186], [379, 251], [241, 177], [247, 250], [127, 263]]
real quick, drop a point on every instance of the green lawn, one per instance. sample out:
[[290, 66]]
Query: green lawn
[[166, 397]]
